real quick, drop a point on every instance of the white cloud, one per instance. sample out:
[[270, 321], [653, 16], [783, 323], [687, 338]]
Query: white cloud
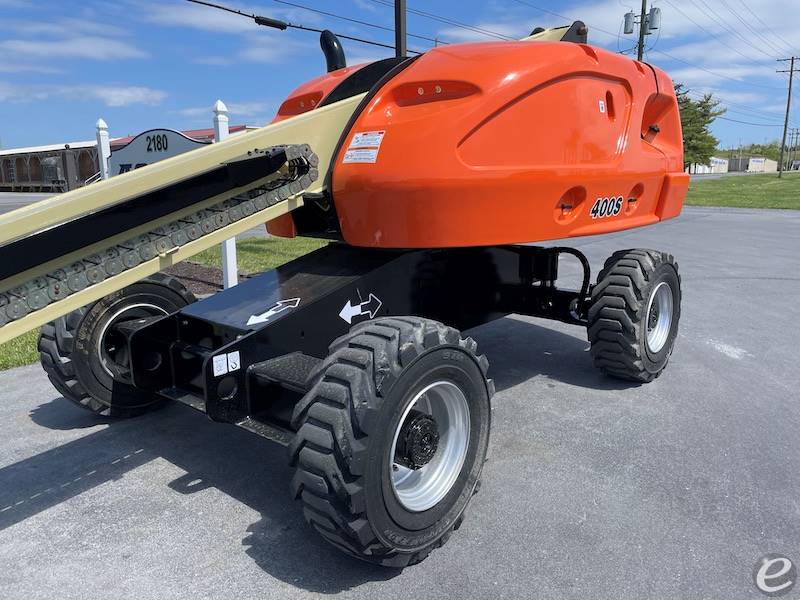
[[195, 112], [213, 61], [87, 47], [272, 48], [357, 58], [65, 27], [248, 109], [235, 110], [36, 43], [22, 67], [110, 95], [124, 95], [364, 5], [82, 47]]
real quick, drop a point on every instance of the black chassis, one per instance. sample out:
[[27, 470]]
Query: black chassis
[[244, 355]]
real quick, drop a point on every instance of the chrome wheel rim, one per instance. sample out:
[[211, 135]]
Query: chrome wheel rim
[[659, 317], [419, 489]]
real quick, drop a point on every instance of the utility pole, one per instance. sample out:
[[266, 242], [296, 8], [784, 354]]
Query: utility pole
[[400, 47], [647, 20], [796, 141], [793, 151], [791, 71], [642, 30]]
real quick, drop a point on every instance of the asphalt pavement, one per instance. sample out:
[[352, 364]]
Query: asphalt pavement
[[13, 200], [594, 488]]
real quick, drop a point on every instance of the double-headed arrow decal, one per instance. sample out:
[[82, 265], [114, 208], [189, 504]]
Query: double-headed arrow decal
[[278, 307], [370, 307]]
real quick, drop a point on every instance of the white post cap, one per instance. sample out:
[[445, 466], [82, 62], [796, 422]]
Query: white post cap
[[220, 108]]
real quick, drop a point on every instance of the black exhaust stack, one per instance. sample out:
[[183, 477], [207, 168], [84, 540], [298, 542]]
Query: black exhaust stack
[[333, 51]]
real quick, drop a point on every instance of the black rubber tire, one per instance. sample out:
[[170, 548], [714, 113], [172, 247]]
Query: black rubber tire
[[345, 426], [617, 316], [67, 348]]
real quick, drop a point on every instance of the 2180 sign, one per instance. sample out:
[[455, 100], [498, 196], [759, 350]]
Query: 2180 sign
[[157, 143]]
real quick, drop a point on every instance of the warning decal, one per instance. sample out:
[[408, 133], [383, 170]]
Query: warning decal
[[364, 147], [367, 139], [361, 155]]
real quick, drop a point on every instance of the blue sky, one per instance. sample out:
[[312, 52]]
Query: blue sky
[[145, 63]]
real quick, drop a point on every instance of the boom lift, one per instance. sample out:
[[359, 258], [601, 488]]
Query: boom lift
[[431, 176]]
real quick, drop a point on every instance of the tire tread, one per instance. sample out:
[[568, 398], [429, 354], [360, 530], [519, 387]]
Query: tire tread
[[56, 344], [359, 371], [616, 314]]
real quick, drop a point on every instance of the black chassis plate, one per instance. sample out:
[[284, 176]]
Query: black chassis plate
[[305, 304]]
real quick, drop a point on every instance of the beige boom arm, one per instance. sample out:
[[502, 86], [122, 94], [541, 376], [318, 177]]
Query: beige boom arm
[[33, 297]]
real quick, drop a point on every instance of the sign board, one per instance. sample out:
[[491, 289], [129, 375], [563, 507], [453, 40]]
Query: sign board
[[149, 147]]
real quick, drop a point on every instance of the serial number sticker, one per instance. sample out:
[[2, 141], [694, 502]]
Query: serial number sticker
[[362, 155], [606, 207], [220, 365], [367, 139]]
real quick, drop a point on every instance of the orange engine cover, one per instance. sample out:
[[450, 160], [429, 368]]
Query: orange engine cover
[[510, 142]]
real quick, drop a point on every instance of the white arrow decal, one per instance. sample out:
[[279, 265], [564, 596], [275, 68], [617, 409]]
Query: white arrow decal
[[278, 307], [370, 307]]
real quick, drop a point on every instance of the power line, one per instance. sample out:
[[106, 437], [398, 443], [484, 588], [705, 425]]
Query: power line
[[767, 27], [565, 17], [749, 27], [750, 114], [550, 12], [357, 21], [269, 22], [728, 108], [748, 123], [752, 109], [730, 29], [449, 21], [719, 39], [693, 65], [347, 37]]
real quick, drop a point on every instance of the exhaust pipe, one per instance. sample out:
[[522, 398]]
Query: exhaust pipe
[[333, 51]]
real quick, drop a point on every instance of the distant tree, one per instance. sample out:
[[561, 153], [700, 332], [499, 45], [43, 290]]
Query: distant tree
[[770, 150], [696, 117]]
